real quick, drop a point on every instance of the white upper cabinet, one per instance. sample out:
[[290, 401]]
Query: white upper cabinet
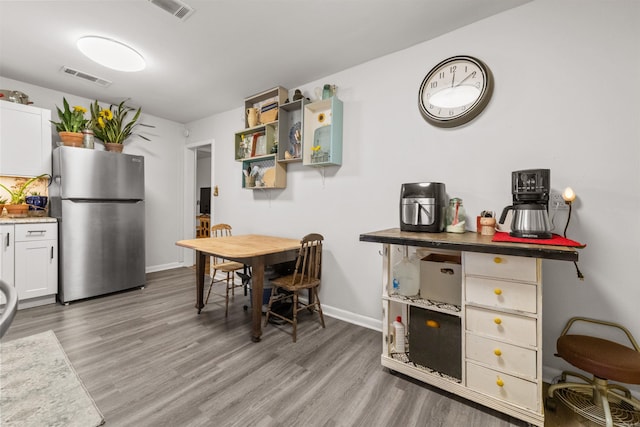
[[25, 140]]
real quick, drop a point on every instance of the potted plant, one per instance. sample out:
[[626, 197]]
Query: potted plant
[[2, 203], [111, 127], [18, 195], [71, 124]]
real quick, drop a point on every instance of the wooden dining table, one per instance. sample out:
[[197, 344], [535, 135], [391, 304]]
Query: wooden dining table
[[254, 250]]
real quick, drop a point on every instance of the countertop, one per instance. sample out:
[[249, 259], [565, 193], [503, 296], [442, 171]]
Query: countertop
[[470, 242], [26, 220]]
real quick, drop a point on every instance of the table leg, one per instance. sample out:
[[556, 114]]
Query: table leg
[[257, 282], [201, 259]]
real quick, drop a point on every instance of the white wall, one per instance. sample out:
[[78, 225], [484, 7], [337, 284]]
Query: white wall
[[163, 172], [565, 99]]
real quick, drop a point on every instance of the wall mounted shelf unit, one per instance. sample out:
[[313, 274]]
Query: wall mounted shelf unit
[[322, 133], [290, 119], [278, 94], [270, 173]]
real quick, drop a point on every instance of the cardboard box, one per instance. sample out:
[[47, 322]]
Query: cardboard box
[[441, 278]]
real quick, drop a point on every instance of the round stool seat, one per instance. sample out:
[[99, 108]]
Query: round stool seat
[[602, 358]]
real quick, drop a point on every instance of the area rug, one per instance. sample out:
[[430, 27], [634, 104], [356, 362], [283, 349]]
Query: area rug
[[39, 387]]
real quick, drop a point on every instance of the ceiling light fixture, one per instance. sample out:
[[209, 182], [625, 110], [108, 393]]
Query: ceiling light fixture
[[111, 53]]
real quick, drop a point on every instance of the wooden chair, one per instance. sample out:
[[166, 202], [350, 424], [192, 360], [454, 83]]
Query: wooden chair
[[595, 398], [202, 230], [224, 266], [305, 276]]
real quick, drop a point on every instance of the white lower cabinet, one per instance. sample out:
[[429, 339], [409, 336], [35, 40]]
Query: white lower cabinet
[[30, 261]]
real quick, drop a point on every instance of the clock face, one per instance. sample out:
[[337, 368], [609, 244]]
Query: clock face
[[455, 91]]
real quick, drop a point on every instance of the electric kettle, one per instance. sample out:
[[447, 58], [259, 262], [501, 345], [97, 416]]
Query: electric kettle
[[530, 221]]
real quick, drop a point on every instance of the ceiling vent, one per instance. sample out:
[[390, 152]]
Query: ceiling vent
[[83, 75], [175, 7]]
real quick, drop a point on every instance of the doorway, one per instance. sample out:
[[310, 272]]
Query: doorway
[[198, 173]]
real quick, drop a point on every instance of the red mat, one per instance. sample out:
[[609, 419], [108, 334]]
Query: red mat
[[555, 240]]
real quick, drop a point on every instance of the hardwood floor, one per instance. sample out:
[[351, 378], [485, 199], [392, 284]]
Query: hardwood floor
[[148, 359]]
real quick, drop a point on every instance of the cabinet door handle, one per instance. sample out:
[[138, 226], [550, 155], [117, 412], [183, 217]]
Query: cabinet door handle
[[497, 291], [446, 271], [497, 320], [36, 231], [499, 382], [497, 260], [51, 252], [497, 352], [8, 236]]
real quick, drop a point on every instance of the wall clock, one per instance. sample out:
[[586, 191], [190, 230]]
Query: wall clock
[[455, 91]]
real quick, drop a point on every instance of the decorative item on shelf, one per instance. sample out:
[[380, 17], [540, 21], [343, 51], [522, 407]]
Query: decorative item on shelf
[[2, 203], [326, 92], [71, 124], [295, 139], [252, 117], [297, 95], [269, 112], [18, 194], [109, 124], [14, 96]]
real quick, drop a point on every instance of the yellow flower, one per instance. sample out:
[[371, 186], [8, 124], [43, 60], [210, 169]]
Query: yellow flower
[[100, 122], [315, 148], [106, 114], [79, 109]]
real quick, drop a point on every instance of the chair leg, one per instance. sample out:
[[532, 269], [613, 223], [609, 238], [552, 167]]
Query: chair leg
[[295, 314], [273, 294], [213, 278], [317, 302]]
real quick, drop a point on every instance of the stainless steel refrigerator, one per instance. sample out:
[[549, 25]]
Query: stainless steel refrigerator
[[98, 199]]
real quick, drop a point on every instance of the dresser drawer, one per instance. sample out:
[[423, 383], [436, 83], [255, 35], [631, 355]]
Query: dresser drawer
[[503, 326], [37, 231], [501, 294], [503, 386], [501, 266], [499, 355]]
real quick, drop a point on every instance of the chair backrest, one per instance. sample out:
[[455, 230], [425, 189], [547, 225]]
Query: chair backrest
[[309, 261], [205, 223], [220, 230]]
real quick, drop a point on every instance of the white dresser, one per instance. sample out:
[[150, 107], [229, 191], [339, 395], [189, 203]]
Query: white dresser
[[498, 319]]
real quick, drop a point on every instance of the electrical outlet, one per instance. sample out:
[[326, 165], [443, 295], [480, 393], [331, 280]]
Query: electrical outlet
[[556, 202]]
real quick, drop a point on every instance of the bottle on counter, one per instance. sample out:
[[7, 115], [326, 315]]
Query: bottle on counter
[[398, 335]]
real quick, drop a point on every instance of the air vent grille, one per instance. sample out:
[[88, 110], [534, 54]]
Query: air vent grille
[[175, 7], [82, 75]]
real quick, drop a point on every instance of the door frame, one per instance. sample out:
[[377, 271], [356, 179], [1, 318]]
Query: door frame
[[190, 161]]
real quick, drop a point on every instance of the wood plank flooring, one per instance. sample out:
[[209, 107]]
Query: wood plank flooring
[[148, 359]]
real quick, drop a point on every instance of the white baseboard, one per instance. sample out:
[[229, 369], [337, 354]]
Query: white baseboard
[[162, 267], [354, 318]]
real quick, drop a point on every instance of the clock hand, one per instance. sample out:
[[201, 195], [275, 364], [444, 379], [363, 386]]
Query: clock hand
[[453, 79], [463, 80]]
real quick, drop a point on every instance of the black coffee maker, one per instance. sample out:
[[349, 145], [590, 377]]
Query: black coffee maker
[[530, 190]]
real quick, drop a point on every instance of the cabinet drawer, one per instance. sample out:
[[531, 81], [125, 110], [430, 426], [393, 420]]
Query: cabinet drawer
[[501, 266], [504, 326], [501, 294], [37, 231], [503, 386], [499, 355]]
